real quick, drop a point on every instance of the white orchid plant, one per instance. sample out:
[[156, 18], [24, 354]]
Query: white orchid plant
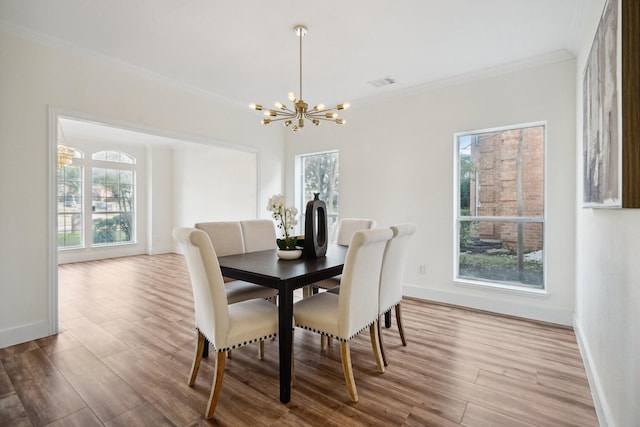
[[285, 220]]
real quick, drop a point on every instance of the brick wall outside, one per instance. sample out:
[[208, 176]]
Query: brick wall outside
[[494, 157]]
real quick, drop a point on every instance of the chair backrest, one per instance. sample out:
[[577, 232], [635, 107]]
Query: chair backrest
[[348, 226], [209, 296], [393, 265], [359, 286], [226, 236], [258, 234]]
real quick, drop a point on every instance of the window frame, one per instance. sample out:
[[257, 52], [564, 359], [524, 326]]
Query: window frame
[[87, 164], [79, 162], [458, 219], [300, 203], [117, 166]]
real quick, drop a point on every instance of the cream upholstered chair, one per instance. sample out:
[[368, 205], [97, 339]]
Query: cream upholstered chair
[[227, 239], [392, 277], [226, 236], [258, 234], [345, 315], [225, 326], [346, 228]]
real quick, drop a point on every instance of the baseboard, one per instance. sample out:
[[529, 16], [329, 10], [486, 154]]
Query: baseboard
[[603, 410], [158, 251], [24, 333], [544, 314]]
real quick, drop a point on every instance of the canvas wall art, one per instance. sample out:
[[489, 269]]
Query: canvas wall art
[[602, 132]]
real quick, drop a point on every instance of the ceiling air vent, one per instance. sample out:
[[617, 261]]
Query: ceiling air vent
[[385, 81]]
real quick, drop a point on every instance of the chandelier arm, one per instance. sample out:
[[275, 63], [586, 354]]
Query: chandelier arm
[[318, 114], [325, 110], [287, 113], [326, 119], [282, 118]]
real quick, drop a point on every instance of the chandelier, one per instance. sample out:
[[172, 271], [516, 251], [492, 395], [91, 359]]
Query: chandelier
[[295, 118], [65, 153]]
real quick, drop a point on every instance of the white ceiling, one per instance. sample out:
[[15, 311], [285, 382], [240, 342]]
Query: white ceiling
[[246, 50]]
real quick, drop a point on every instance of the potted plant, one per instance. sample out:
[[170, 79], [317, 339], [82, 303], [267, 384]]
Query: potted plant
[[285, 218]]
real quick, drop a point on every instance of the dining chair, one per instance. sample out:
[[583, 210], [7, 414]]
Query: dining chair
[[225, 326], [227, 239], [392, 278], [346, 228], [343, 316], [258, 234]]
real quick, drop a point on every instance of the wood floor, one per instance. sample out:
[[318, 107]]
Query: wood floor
[[124, 351]]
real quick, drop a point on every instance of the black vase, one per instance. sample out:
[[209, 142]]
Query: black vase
[[315, 228]]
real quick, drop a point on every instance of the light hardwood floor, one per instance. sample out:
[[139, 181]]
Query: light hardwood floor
[[124, 351]]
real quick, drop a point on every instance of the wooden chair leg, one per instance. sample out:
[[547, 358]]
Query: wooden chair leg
[[197, 359], [399, 322], [345, 355], [306, 291], [261, 350], [382, 353], [373, 332], [325, 341], [221, 359]]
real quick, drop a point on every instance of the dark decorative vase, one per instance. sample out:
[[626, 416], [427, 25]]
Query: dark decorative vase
[[315, 228]]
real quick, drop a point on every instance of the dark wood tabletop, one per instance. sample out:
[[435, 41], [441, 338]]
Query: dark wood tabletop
[[264, 268]]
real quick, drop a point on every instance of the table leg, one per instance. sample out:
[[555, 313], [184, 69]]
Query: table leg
[[285, 326]]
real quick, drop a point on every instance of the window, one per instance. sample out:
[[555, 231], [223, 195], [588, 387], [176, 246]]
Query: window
[[318, 173], [500, 206], [70, 206], [111, 212], [112, 205]]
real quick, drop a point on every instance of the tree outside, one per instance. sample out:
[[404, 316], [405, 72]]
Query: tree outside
[[112, 205], [320, 175]]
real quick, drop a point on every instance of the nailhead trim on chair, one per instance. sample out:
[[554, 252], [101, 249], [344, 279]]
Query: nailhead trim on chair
[[391, 306], [220, 350], [317, 331]]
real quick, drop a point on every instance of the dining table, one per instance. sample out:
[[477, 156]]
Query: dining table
[[266, 269]]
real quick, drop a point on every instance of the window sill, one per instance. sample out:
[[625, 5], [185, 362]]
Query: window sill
[[501, 288]]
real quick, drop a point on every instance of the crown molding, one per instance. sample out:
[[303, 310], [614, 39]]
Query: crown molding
[[65, 46], [486, 73]]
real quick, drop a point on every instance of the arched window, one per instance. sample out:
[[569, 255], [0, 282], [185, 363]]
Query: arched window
[[114, 156], [108, 203]]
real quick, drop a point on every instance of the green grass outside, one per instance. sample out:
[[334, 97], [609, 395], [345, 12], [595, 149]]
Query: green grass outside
[[69, 239]]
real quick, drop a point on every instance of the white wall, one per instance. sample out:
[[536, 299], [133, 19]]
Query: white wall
[[396, 165], [214, 184], [35, 77], [607, 320]]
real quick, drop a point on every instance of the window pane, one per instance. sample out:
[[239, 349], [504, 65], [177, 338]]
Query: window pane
[[69, 205], [112, 206], [502, 173], [114, 156], [112, 228], [507, 252], [320, 175]]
